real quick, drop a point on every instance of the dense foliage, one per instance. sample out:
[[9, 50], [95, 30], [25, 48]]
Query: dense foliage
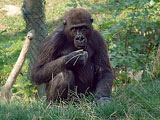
[[132, 31]]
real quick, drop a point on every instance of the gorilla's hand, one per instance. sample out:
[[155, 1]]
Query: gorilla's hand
[[77, 57], [102, 100], [82, 60]]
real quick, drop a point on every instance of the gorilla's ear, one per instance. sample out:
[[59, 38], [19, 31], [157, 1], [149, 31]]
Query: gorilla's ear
[[91, 19], [64, 22]]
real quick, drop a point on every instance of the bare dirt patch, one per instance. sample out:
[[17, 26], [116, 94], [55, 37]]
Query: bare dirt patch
[[11, 10]]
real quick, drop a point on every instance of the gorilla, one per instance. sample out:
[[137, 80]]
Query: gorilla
[[74, 57]]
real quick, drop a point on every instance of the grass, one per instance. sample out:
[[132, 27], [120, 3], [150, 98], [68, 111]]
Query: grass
[[138, 102]]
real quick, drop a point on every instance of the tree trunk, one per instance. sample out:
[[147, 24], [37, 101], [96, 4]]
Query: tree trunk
[[33, 13]]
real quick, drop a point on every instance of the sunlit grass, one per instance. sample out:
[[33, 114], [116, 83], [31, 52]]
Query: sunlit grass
[[131, 102]]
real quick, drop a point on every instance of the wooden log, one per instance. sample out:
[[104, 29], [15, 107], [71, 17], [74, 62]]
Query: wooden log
[[6, 92]]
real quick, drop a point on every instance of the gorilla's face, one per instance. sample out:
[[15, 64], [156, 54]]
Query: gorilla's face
[[78, 27], [79, 35]]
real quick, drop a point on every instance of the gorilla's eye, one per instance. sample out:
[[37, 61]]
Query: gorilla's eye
[[73, 30], [84, 30]]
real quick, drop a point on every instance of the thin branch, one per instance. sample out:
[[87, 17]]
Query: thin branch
[[6, 91]]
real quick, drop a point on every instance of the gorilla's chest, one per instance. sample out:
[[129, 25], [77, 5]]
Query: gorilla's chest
[[83, 74]]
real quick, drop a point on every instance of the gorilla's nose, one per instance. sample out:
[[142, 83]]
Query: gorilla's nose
[[80, 38]]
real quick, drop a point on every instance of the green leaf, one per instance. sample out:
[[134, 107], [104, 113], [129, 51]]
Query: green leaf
[[9, 45], [3, 31], [137, 46], [143, 27], [156, 0], [69, 5], [75, 5], [81, 4]]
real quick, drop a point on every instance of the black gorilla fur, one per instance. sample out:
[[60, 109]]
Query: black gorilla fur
[[76, 55]]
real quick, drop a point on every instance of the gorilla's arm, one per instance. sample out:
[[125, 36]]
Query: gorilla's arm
[[48, 62], [104, 72]]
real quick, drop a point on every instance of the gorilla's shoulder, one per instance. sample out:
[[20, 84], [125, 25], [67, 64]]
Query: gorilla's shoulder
[[58, 33], [60, 28]]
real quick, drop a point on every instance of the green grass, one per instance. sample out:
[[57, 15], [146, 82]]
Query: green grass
[[137, 102]]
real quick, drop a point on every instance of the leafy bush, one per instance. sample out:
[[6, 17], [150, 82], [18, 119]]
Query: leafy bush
[[131, 29]]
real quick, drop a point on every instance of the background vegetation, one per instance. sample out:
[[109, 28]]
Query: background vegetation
[[131, 29]]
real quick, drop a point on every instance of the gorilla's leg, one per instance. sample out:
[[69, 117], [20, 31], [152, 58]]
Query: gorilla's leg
[[59, 86]]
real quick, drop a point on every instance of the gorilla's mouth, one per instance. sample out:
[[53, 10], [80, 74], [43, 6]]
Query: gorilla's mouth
[[80, 41], [81, 47]]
